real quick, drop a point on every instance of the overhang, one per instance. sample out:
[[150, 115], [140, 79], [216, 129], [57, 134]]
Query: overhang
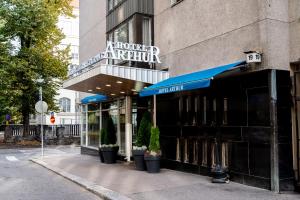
[[114, 80]]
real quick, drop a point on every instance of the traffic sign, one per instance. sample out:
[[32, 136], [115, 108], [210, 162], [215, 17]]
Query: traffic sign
[[52, 119], [41, 106]]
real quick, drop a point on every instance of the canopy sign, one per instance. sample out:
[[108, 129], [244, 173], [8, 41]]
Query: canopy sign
[[123, 52]]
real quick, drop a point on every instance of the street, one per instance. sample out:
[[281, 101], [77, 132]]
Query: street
[[21, 179]]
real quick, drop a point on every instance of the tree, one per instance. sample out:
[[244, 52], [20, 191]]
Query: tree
[[29, 37], [144, 132]]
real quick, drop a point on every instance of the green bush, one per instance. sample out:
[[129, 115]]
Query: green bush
[[108, 133], [103, 134], [111, 132], [154, 145], [144, 132]]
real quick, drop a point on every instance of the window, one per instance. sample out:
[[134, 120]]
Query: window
[[121, 34], [147, 31], [113, 3], [65, 104], [110, 4]]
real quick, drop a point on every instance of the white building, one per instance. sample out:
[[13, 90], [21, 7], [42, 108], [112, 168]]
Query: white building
[[68, 100]]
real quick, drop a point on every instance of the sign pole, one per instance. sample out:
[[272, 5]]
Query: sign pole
[[42, 113]]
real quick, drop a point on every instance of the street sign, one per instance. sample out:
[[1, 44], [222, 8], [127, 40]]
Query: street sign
[[41, 106], [52, 119]]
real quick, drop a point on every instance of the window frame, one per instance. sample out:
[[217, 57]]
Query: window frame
[[65, 104]]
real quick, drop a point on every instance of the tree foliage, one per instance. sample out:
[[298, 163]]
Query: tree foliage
[[144, 132], [154, 145], [29, 49], [108, 133]]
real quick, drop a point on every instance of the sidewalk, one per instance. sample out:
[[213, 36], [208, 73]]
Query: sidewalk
[[121, 181]]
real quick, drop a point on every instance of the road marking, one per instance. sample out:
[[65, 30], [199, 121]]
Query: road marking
[[11, 158]]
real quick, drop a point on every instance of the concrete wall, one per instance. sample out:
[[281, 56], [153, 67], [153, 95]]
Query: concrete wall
[[197, 34], [294, 18], [92, 28]]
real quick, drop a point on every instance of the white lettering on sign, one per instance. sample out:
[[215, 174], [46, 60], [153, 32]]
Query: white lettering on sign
[[170, 89], [125, 52]]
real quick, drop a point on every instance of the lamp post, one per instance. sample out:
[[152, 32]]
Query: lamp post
[[40, 81]]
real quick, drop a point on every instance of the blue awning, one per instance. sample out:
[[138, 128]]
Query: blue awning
[[93, 99], [196, 80]]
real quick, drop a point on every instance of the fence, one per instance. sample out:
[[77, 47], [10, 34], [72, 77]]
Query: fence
[[70, 130]]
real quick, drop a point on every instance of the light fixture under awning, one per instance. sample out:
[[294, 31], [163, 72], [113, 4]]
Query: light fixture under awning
[[196, 80]]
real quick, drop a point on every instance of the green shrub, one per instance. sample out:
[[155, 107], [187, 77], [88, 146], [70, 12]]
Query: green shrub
[[111, 132], [103, 134], [108, 133], [144, 132], [154, 145]]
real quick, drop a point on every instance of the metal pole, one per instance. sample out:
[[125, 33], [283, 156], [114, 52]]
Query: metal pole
[[154, 110], [274, 132], [42, 134]]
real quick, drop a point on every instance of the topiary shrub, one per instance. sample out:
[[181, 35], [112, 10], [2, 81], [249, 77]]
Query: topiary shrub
[[108, 133], [154, 146], [144, 132], [103, 134], [111, 132]]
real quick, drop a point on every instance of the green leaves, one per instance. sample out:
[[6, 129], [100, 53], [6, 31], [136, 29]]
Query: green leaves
[[34, 24], [154, 140], [144, 132]]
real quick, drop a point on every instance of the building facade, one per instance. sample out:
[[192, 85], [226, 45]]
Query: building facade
[[242, 115], [68, 100]]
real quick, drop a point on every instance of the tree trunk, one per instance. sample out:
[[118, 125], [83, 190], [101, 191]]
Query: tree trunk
[[25, 116]]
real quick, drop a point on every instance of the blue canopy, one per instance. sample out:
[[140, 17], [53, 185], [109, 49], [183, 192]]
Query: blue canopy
[[93, 99], [200, 79]]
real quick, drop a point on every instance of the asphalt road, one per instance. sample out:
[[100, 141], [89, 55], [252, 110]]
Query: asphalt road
[[20, 179]]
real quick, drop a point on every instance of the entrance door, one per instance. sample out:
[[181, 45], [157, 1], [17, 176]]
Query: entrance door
[[297, 125]]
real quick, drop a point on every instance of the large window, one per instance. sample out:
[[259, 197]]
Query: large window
[[65, 104], [147, 31], [121, 33], [113, 3]]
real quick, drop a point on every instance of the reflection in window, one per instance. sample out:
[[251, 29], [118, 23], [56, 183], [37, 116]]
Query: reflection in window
[[147, 31], [65, 104], [121, 34], [110, 4]]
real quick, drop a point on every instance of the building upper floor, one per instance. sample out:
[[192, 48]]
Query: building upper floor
[[195, 34]]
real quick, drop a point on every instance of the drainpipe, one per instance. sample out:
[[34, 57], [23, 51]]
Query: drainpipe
[[274, 132], [154, 110], [128, 127]]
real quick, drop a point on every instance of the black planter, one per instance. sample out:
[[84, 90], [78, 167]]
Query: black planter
[[219, 175], [152, 163], [109, 154], [101, 155], [139, 161]]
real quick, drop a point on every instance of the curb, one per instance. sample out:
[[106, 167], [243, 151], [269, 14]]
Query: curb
[[100, 191]]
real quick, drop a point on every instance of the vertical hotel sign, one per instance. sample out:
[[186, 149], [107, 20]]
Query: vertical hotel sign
[[124, 52]]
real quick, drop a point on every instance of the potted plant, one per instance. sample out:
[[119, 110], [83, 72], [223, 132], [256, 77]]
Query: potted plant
[[109, 149], [152, 156], [103, 134], [142, 141]]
